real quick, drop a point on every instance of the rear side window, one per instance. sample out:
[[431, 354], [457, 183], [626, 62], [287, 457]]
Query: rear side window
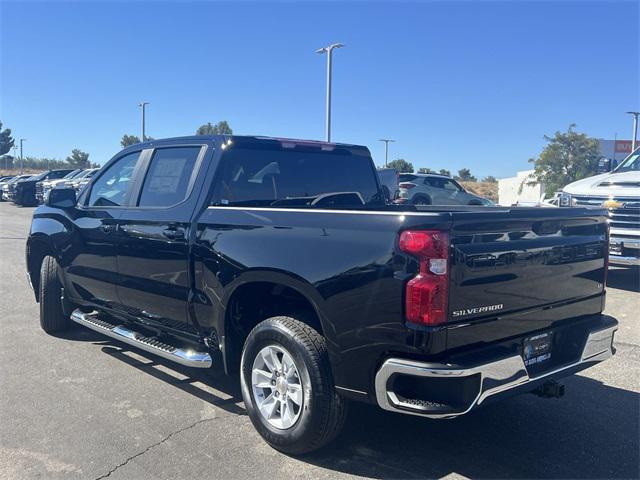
[[168, 177], [110, 190], [280, 178]]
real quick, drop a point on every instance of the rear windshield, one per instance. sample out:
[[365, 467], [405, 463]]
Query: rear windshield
[[406, 177], [280, 177]]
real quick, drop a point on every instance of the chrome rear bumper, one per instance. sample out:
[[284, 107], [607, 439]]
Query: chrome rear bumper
[[618, 260], [494, 378]]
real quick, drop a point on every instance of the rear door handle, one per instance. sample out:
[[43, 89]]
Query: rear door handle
[[173, 233]]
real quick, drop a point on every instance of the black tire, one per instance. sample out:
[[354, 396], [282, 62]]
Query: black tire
[[421, 200], [53, 314], [323, 411]]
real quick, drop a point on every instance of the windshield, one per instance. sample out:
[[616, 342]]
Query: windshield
[[630, 164], [20, 177], [73, 174]]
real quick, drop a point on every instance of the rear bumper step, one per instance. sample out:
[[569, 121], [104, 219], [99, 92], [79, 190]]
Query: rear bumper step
[[472, 386], [190, 358]]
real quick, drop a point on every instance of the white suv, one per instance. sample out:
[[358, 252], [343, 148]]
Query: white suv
[[434, 189]]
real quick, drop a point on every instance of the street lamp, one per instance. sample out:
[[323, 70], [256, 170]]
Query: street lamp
[[15, 155], [143, 105], [21, 156], [635, 129], [329, 51], [386, 149]]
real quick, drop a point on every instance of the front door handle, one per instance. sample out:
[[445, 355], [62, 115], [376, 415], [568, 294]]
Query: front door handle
[[173, 233]]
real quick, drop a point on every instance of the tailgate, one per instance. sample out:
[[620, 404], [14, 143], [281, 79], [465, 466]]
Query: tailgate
[[506, 261]]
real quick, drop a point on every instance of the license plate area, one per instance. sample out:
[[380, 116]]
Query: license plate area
[[537, 349], [615, 248]]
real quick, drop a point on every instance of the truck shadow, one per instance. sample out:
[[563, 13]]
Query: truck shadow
[[624, 278], [210, 386], [593, 432]]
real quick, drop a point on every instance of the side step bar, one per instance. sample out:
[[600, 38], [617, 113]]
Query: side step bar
[[190, 358]]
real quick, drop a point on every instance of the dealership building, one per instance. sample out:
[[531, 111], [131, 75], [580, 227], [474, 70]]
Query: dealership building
[[615, 149]]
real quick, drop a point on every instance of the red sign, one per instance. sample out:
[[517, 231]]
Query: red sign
[[623, 146]]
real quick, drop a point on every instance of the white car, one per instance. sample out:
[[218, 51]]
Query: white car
[[435, 189], [619, 191]]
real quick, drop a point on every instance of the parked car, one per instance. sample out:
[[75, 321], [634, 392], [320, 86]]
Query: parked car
[[3, 181], [389, 182], [280, 262], [25, 190], [43, 187], [618, 191], [8, 187], [435, 189], [81, 180]]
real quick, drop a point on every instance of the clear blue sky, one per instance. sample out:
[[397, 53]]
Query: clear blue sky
[[457, 84]]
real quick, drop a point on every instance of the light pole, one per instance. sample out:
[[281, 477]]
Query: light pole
[[15, 157], [143, 105], [21, 156], [635, 129], [386, 149], [329, 51]]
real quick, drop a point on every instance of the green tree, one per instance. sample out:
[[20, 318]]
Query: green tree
[[78, 159], [444, 171], [490, 179], [6, 140], [568, 156], [425, 170], [129, 140], [401, 165], [464, 174], [220, 128]]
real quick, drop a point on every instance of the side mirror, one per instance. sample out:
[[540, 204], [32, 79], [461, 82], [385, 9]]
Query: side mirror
[[605, 165], [61, 198]]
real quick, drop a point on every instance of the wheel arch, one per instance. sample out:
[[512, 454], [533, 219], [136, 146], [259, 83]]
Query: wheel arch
[[38, 247], [260, 294]]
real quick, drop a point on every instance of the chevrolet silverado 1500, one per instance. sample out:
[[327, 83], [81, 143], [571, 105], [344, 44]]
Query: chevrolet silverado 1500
[[281, 261]]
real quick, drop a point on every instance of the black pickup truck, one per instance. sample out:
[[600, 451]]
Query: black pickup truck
[[280, 261], [24, 191]]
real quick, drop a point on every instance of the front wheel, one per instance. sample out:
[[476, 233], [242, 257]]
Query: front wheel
[[54, 312], [287, 386]]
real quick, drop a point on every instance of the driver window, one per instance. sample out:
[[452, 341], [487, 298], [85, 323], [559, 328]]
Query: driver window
[[110, 190], [449, 185]]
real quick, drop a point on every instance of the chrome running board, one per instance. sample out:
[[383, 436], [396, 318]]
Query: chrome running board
[[190, 358]]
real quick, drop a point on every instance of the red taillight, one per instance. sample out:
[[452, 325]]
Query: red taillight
[[407, 185], [427, 295]]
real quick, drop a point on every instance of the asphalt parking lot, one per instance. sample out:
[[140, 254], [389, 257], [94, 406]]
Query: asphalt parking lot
[[82, 406]]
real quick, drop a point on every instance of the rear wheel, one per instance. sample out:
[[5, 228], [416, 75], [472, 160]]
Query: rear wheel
[[54, 314], [421, 200], [287, 386]]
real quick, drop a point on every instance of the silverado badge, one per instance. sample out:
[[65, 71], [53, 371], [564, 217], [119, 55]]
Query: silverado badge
[[475, 310]]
